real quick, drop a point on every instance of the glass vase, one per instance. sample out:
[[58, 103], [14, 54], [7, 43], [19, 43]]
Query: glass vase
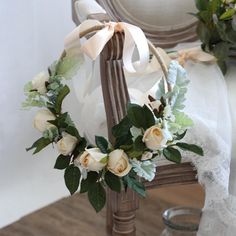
[[181, 221]]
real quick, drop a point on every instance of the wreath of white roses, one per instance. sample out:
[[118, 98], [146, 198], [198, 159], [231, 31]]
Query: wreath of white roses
[[144, 135]]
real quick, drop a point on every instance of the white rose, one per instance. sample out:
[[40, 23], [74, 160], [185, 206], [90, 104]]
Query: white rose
[[66, 144], [155, 105], [41, 118], [146, 156], [118, 163], [154, 138], [91, 159], [38, 82]]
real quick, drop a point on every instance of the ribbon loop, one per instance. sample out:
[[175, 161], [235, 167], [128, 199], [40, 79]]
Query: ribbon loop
[[134, 38]]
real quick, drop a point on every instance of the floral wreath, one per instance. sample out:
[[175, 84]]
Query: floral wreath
[[146, 134]]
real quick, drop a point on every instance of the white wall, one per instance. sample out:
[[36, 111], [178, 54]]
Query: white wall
[[31, 37]]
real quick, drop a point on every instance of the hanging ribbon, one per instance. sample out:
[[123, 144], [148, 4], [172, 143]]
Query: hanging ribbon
[[194, 54], [134, 38]]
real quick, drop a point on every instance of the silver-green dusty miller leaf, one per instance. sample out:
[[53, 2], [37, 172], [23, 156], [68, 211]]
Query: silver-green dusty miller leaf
[[69, 65], [144, 169], [33, 98]]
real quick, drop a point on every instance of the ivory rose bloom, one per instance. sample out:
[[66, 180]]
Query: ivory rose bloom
[[66, 144], [154, 138], [118, 163], [41, 118], [91, 159], [146, 156], [38, 83]]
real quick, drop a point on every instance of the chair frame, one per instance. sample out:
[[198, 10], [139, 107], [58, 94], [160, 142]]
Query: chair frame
[[121, 207]]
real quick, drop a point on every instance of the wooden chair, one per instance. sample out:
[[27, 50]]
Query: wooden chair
[[121, 207]]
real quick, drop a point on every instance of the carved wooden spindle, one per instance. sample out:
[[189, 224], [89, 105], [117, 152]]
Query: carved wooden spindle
[[120, 207]]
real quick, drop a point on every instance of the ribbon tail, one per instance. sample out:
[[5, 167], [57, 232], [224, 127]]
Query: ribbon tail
[[134, 36]]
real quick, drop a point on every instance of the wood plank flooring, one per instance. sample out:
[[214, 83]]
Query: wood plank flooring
[[74, 216]]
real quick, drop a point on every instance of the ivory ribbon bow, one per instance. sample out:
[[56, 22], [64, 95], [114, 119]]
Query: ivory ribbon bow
[[134, 37]]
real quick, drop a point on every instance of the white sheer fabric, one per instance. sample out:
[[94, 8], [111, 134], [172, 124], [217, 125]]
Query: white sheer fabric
[[207, 104]]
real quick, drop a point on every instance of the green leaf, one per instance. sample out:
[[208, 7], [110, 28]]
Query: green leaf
[[62, 94], [72, 178], [149, 118], [135, 185], [113, 181], [202, 4], [123, 140], [203, 33], [221, 50], [228, 14], [172, 154], [101, 143], [191, 147], [39, 145], [223, 66], [122, 129], [206, 16], [87, 183], [73, 131], [97, 196], [80, 147], [180, 136], [139, 145], [140, 117], [214, 5], [104, 160], [134, 154], [62, 162], [135, 114]]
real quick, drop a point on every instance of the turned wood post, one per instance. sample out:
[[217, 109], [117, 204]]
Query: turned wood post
[[120, 207]]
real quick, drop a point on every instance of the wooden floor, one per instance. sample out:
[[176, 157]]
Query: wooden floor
[[74, 217]]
